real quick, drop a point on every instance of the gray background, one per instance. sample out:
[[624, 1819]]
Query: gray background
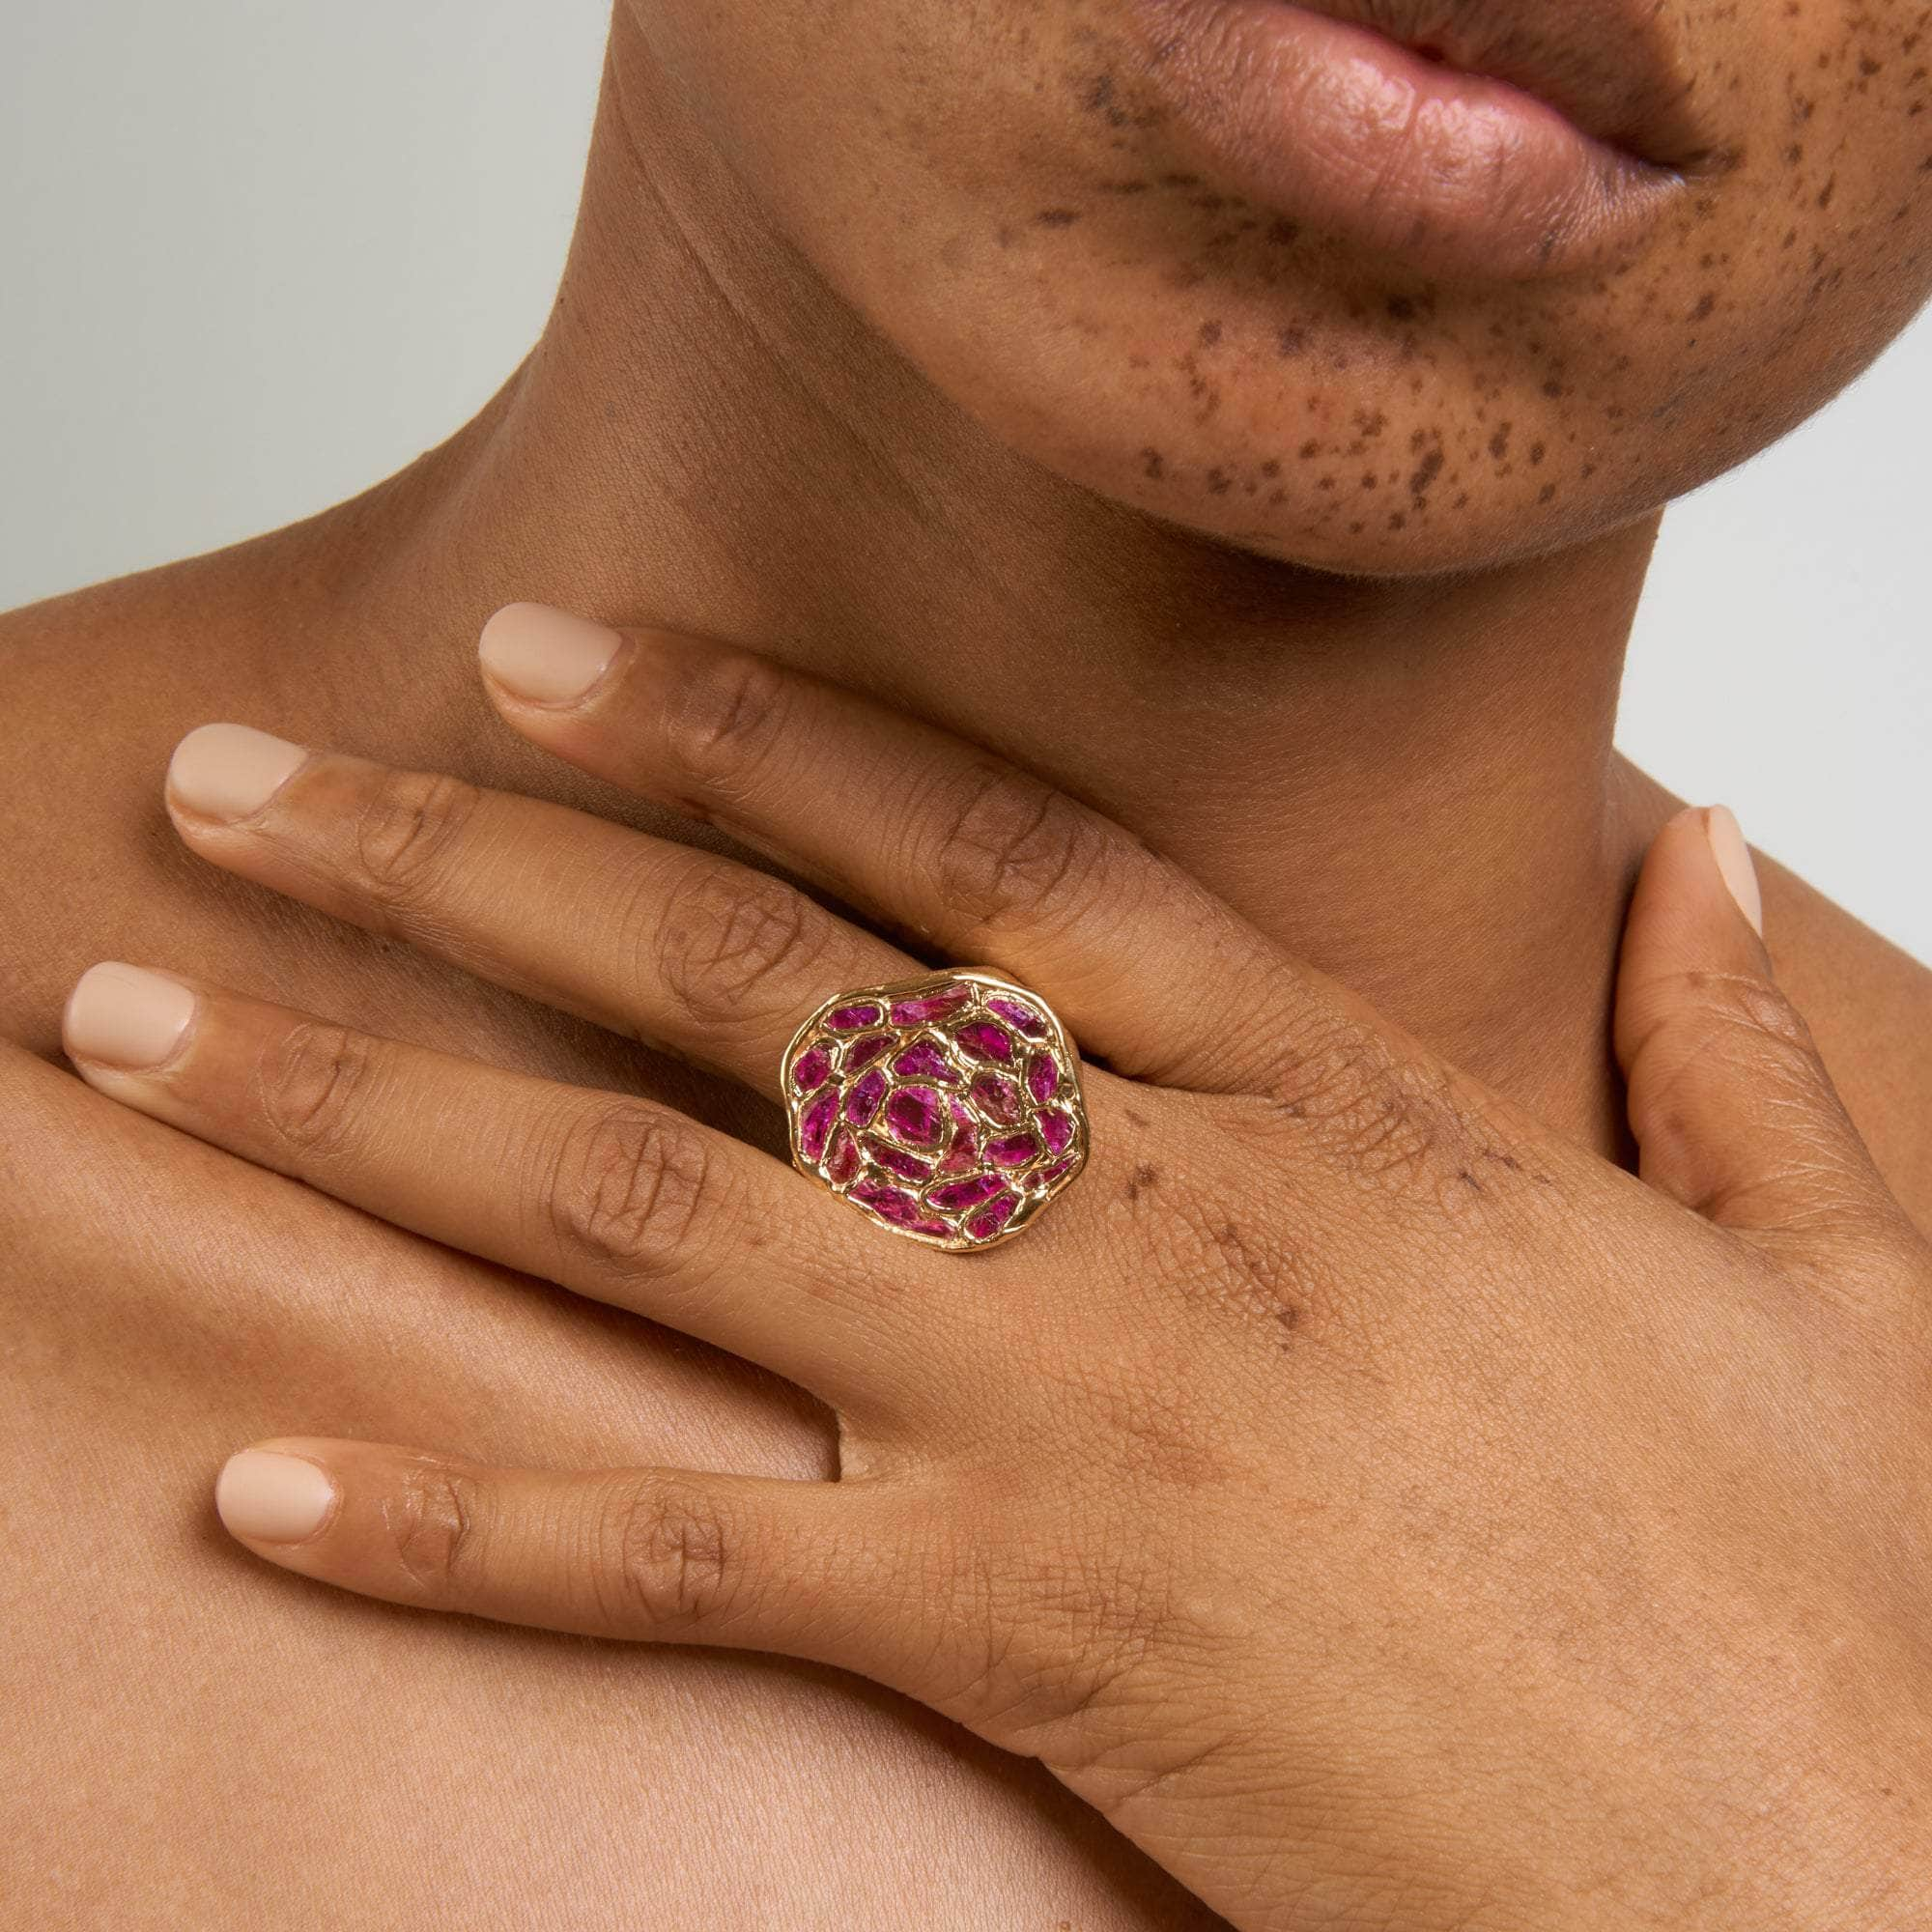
[[254, 257]]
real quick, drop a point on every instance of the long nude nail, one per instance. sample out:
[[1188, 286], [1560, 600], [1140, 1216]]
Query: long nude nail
[[1734, 862], [272, 1497], [126, 1016], [546, 656], [231, 770]]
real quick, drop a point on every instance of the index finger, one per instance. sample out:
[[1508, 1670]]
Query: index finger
[[937, 837]]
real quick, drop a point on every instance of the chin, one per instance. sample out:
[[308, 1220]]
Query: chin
[[1359, 454]]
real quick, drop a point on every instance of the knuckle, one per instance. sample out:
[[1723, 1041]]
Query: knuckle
[[1720, 1020], [673, 1561], [629, 1189], [310, 1083], [723, 707], [1413, 1131], [433, 1527], [408, 831], [1011, 844], [1756, 1010], [731, 949], [1345, 1088], [1041, 1651]]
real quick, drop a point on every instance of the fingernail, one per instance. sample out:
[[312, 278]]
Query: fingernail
[[270, 1497], [229, 771], [124, 1015], [546, 656], [1734, 862]]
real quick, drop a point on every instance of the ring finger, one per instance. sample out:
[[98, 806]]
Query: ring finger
[[616, 1198]]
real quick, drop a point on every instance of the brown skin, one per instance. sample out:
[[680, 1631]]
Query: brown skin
[[1380, 1508], [707, 437]]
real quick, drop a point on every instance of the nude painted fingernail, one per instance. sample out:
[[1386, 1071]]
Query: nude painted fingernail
[[126, 1015], [1734, 862], [229, 771], [270, 1497], [546, 656]]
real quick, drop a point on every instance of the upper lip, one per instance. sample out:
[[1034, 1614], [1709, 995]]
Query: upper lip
[[1609, 67]]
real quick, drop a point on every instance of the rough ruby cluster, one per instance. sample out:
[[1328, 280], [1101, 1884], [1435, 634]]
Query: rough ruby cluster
[[943, 1110]]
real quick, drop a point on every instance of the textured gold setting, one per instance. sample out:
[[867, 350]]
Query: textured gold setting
[[944, 1108]]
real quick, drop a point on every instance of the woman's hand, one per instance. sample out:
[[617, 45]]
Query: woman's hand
[[1381, 1510]]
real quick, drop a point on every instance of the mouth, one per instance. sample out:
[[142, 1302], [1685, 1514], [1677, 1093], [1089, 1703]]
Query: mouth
[[1501, 139]]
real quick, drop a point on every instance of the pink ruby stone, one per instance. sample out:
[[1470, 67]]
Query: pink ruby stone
[[985, 1040], [913, 1116], [889, 1204], [997, 1097], [992, 1217], [811, 1069], [1056, 1129], [929, 1226], [817, 1122], [964, 1153], [849, 1019], [1022, 1019], [862, 1052], [1043, 1078], [1047, 1175], [842, 1162], [958, 1195], [925, 1006], [895, 1160], [1014, 1150], [863, 1102], [923, 1061]]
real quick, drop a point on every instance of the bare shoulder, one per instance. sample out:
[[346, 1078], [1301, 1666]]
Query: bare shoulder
[[1869, 1005], [95, 690]]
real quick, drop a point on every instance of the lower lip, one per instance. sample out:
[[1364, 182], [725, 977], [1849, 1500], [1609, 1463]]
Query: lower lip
[[1447, 173]]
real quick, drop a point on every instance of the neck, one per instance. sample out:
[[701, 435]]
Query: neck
[[1409, 783]]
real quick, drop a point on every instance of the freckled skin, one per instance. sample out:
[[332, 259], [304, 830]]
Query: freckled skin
[[993, 185]]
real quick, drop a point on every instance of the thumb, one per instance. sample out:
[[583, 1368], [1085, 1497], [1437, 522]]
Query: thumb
[[1732, 1109]]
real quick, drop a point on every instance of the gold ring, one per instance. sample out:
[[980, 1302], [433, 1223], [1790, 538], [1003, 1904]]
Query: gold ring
[[946, 1108]]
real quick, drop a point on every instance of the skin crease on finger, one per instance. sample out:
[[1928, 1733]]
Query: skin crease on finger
[[895, 338]]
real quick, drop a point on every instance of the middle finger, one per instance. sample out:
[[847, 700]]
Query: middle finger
[[680, 947]]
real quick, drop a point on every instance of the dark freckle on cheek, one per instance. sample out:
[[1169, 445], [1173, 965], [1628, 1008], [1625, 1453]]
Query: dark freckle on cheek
[[1499, 443], [1292, 342], [1548, 491], [1535, 453], [1309, 450], [1825, 192], [1284, 233], [1271, 468], [1211, 333], [1706, 302], [1057, 217], [1426, 473], [1401, 308], [1219, 482], [1153, 465], [1143, 1175]]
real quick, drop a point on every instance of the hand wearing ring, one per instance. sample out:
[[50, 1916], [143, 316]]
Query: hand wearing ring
[[1382, 1508]]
